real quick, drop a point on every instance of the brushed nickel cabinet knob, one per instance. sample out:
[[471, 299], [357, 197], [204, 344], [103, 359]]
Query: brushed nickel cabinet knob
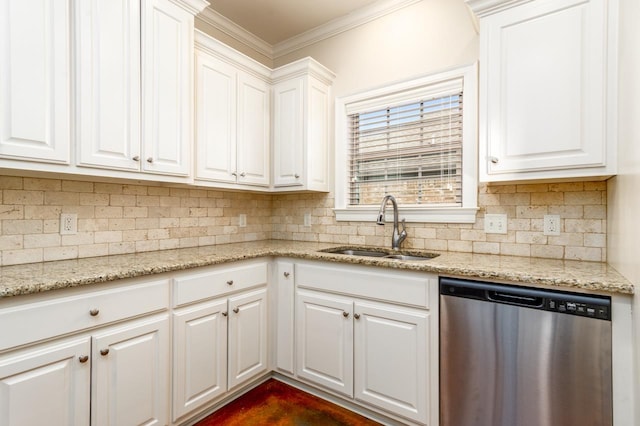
[[94, 312], [104, 352], [83, 358], [236, 310]]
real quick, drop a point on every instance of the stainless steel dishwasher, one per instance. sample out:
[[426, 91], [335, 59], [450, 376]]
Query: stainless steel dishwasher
[[520, 356]]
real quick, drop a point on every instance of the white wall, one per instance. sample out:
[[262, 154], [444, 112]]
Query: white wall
[[428, 36], [623, 214]]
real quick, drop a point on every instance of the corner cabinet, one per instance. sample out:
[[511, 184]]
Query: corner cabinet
[[301, 121], [232, 116], [370, 336], [220, 333], [547, 88]]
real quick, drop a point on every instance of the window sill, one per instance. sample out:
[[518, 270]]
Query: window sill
[[427, 215]]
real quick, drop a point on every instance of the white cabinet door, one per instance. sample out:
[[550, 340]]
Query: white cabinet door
[[35, 80], [284, 302], [49, 385], [324, 341], [253, 130], [247, 336], [544, 91], [167, 55], [288, 132], [108, 83], [200, 356], [216, 83], [316, 175], [391, 359], [130, 376]]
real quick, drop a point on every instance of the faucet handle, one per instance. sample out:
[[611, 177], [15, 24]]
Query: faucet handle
[[403, 233]]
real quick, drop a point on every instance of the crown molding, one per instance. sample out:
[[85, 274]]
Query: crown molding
[[339, 25], [345, 23], [235, 31], [192, 6], [489, 7]]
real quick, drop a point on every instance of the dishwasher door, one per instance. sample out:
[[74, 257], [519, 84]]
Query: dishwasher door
[[513, 356]]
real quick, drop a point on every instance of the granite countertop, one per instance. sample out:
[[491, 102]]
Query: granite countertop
[[567, 274]]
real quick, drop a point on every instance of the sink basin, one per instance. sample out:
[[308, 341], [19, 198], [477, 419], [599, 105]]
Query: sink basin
[[381, 253]]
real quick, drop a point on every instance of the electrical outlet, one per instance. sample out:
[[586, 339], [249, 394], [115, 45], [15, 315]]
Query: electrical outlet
[[242, 220], [68, 224], [551, 224], [495, 223], [307, 219]]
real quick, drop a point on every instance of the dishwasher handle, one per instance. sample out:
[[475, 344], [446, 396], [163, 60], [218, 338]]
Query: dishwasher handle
[[515, 299]]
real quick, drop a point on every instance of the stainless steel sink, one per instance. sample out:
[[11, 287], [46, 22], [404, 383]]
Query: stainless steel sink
[[382, 253]]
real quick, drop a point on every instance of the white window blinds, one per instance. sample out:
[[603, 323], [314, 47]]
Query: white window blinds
[[412, 150]]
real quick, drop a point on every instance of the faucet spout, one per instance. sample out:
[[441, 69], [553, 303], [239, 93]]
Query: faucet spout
[[398, 236]]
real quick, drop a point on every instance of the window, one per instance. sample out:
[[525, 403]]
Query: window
[[415, 140]]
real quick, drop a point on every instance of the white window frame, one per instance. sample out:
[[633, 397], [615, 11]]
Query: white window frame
[[408, 91]]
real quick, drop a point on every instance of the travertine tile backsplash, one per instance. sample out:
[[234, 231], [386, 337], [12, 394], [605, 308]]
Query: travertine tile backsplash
[[127, 218]]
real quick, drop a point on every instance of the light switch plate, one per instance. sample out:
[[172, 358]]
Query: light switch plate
[[495, 223]]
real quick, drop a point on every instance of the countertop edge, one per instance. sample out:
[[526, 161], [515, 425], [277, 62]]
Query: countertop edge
[[27, 279]]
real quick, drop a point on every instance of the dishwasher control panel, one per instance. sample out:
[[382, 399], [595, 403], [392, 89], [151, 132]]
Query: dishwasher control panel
[[577, 308]]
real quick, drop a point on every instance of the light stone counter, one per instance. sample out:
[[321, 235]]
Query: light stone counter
[[38, 277]]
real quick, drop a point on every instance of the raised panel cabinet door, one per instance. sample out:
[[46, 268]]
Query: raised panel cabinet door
[[317, 161], [284, 300], [392, 359], [130, 376], [544, 84], [288, 132], [324, 341], [200, 356], [247, 336], [167, 62], [216, 83], [35, 80], [108, 83], [254, 155], [48, 385]]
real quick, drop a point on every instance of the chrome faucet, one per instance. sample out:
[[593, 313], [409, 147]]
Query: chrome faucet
[[398, 236]]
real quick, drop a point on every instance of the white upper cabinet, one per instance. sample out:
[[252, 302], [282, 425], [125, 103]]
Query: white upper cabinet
[[232, 116], [134, 88], [547, 89], [301, 122], [35, 80], [167, 92], [108, 83]]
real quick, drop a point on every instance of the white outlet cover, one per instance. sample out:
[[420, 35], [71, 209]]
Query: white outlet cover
[[551, 224], [495, 223], [68, 224], [242, 220], [307, 219]]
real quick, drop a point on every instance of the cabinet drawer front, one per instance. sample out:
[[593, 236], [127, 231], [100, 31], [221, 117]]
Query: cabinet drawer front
[[49, 318], [218, 281], [407, 288]]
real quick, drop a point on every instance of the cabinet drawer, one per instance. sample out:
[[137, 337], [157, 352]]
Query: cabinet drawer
[[45, 319], [404, 287], [218, 281]]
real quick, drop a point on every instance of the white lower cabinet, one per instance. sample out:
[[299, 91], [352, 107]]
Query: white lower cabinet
[[130, 383], [369, 335], [220, 342], [325, 340], [200, 357], [47, 385]]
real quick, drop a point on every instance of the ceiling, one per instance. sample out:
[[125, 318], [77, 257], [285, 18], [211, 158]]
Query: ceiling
[[277, 20]]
